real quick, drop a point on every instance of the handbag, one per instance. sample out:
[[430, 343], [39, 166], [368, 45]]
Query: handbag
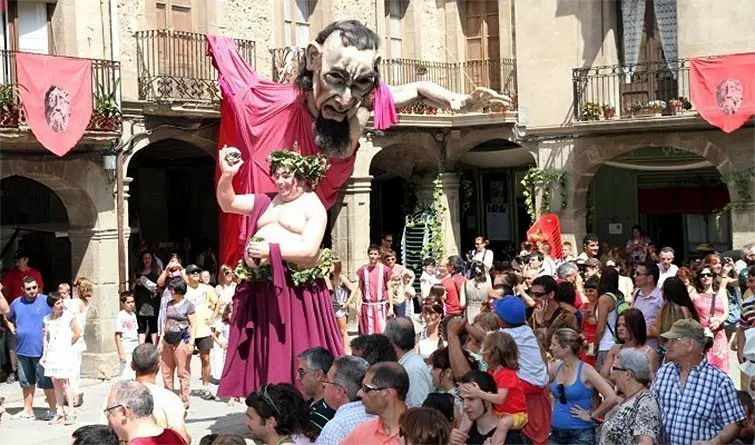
[[173, 338]]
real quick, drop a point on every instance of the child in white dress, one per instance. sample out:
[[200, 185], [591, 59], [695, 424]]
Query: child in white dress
[[61, 333], [126, 334], [220, 333]]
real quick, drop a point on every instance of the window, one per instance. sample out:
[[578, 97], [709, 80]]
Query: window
[[393, 15], [708, 228], [173, 14], [296, 19], [481, 30], [29, 27]]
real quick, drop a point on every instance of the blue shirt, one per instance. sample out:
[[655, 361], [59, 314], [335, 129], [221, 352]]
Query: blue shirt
[[346, 419], [420, 379], [707, 404], [28, 316]]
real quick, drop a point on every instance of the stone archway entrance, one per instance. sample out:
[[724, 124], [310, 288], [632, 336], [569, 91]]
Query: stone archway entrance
[[172, 206], [33, 218]]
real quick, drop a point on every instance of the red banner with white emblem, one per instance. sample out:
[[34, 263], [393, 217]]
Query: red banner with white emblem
[[56, 94], [722, 89]]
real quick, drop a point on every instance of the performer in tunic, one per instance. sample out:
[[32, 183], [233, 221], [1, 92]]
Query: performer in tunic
[[325, 111], [282, 305]]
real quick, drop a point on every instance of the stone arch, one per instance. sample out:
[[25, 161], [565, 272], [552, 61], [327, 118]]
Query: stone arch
[[79, 205], [149, 137], [422, 143], [587, 156]]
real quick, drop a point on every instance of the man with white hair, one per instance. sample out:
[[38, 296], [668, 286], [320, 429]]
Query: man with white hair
[[129, 414], [698, 401], [666, 266], [343, 382]]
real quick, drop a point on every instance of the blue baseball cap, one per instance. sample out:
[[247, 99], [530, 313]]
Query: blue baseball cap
[[511, 310]]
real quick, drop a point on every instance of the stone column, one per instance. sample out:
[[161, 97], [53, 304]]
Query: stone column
[[449, 198], [743, 226], [93, 256], [573, 227], [351, 224]]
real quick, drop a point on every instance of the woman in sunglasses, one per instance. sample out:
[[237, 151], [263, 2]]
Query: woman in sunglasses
[[638, 419], [712, 306], [573, 383]]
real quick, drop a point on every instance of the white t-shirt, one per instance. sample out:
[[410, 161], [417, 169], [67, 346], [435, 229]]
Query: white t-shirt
[[486, 257], [126, 325], [169, 410], [532, 367]]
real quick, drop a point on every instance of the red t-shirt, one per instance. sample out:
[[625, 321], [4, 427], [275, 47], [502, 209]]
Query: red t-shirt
[[167, 437], [515, 401], [13, 281], [453, 285]]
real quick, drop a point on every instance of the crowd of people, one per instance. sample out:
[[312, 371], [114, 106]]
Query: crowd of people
[[532, 350]]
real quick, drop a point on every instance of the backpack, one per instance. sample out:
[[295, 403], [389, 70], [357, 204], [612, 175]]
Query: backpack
[[621, 304]]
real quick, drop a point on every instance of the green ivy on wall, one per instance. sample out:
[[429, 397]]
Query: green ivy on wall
[[550, 179], [740, 181], [466, 187], [431, 214]]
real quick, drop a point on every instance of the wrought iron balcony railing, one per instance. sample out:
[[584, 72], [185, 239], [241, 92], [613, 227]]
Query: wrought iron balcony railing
[[174, 66], [462, 77], [614, 91], [106, 84]]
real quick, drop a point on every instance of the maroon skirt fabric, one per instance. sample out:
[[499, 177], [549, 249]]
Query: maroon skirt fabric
[[272, 323]]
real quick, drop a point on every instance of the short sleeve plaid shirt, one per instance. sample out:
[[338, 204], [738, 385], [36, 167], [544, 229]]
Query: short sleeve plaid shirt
[[702, 409]]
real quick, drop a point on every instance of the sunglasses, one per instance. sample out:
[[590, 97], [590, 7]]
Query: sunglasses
[[538, 294], [268, 400], [367, 388], [32, 288], [617, 369], [704, 275], [561, 393]]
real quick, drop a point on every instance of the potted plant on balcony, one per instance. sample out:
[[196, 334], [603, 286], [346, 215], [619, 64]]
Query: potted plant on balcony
[[609, 111], [637, 108], [10, 111], [106, 115], [675, 105], [420, 68], [656, 107], [590, 111]]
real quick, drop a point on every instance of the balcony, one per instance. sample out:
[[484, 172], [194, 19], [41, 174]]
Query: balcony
[[173, 67], [612, 92], [105, 123], [461, 77]]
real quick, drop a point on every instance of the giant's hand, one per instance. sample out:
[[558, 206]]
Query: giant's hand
[[479, 99], [230, 161]]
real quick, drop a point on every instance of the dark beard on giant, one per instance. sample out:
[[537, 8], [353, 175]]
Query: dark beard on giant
[[332, 137]]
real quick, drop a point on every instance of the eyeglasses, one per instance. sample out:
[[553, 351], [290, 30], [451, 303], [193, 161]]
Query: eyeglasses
[[302, 372], [617, 369], [268, 400], [32, 288], [704, 275], [367, 388], [328, 382], [107, 411], [639, 273], [561, 393], [228, 272], [388, 240], [538, 294]]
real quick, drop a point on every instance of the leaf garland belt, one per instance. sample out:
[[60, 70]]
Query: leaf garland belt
[[299, 276]]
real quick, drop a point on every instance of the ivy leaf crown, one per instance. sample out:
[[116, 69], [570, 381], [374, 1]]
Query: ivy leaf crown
[[310, 168]]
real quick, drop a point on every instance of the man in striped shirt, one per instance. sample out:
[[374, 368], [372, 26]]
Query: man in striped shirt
[[312, 373], [747, 319]]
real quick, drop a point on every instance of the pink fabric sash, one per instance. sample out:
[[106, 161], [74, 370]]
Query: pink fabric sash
[[384, 108]]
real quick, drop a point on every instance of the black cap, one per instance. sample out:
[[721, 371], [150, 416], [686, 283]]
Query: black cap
[[193, 268]]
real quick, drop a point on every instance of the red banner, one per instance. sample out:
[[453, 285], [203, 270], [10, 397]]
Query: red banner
[[722, 89], [547, 229], [56, 93]]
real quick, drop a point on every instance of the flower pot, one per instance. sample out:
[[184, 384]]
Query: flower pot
[[9, 116], [421, 70], [608, 114], [677, 111]]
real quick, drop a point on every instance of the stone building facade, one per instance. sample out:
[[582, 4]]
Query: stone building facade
[[159, 189]]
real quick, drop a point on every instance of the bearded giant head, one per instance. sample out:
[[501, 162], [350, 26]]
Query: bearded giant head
[[340, 71], [57, 109]]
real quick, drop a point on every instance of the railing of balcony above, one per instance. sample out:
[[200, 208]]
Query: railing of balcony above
[[175, 66], [462, 77], [106, 84], [619, 91]]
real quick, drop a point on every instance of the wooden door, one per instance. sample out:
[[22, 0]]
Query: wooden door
[[481, 28], [652, 79], [177, 49]]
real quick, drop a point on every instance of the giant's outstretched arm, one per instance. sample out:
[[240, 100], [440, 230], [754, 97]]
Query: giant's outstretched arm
[[435, 95]]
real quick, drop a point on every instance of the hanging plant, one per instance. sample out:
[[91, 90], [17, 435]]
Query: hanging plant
[[467, 192], [431, 214], [740, 181], [549, 179]]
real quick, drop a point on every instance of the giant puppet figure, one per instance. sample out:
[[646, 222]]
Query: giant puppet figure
[[323, 113]]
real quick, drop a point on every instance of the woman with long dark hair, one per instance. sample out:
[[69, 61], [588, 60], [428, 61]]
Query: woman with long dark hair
[[476, 289], [145, 288], [677, 305], [608, 289], [631, 332]]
